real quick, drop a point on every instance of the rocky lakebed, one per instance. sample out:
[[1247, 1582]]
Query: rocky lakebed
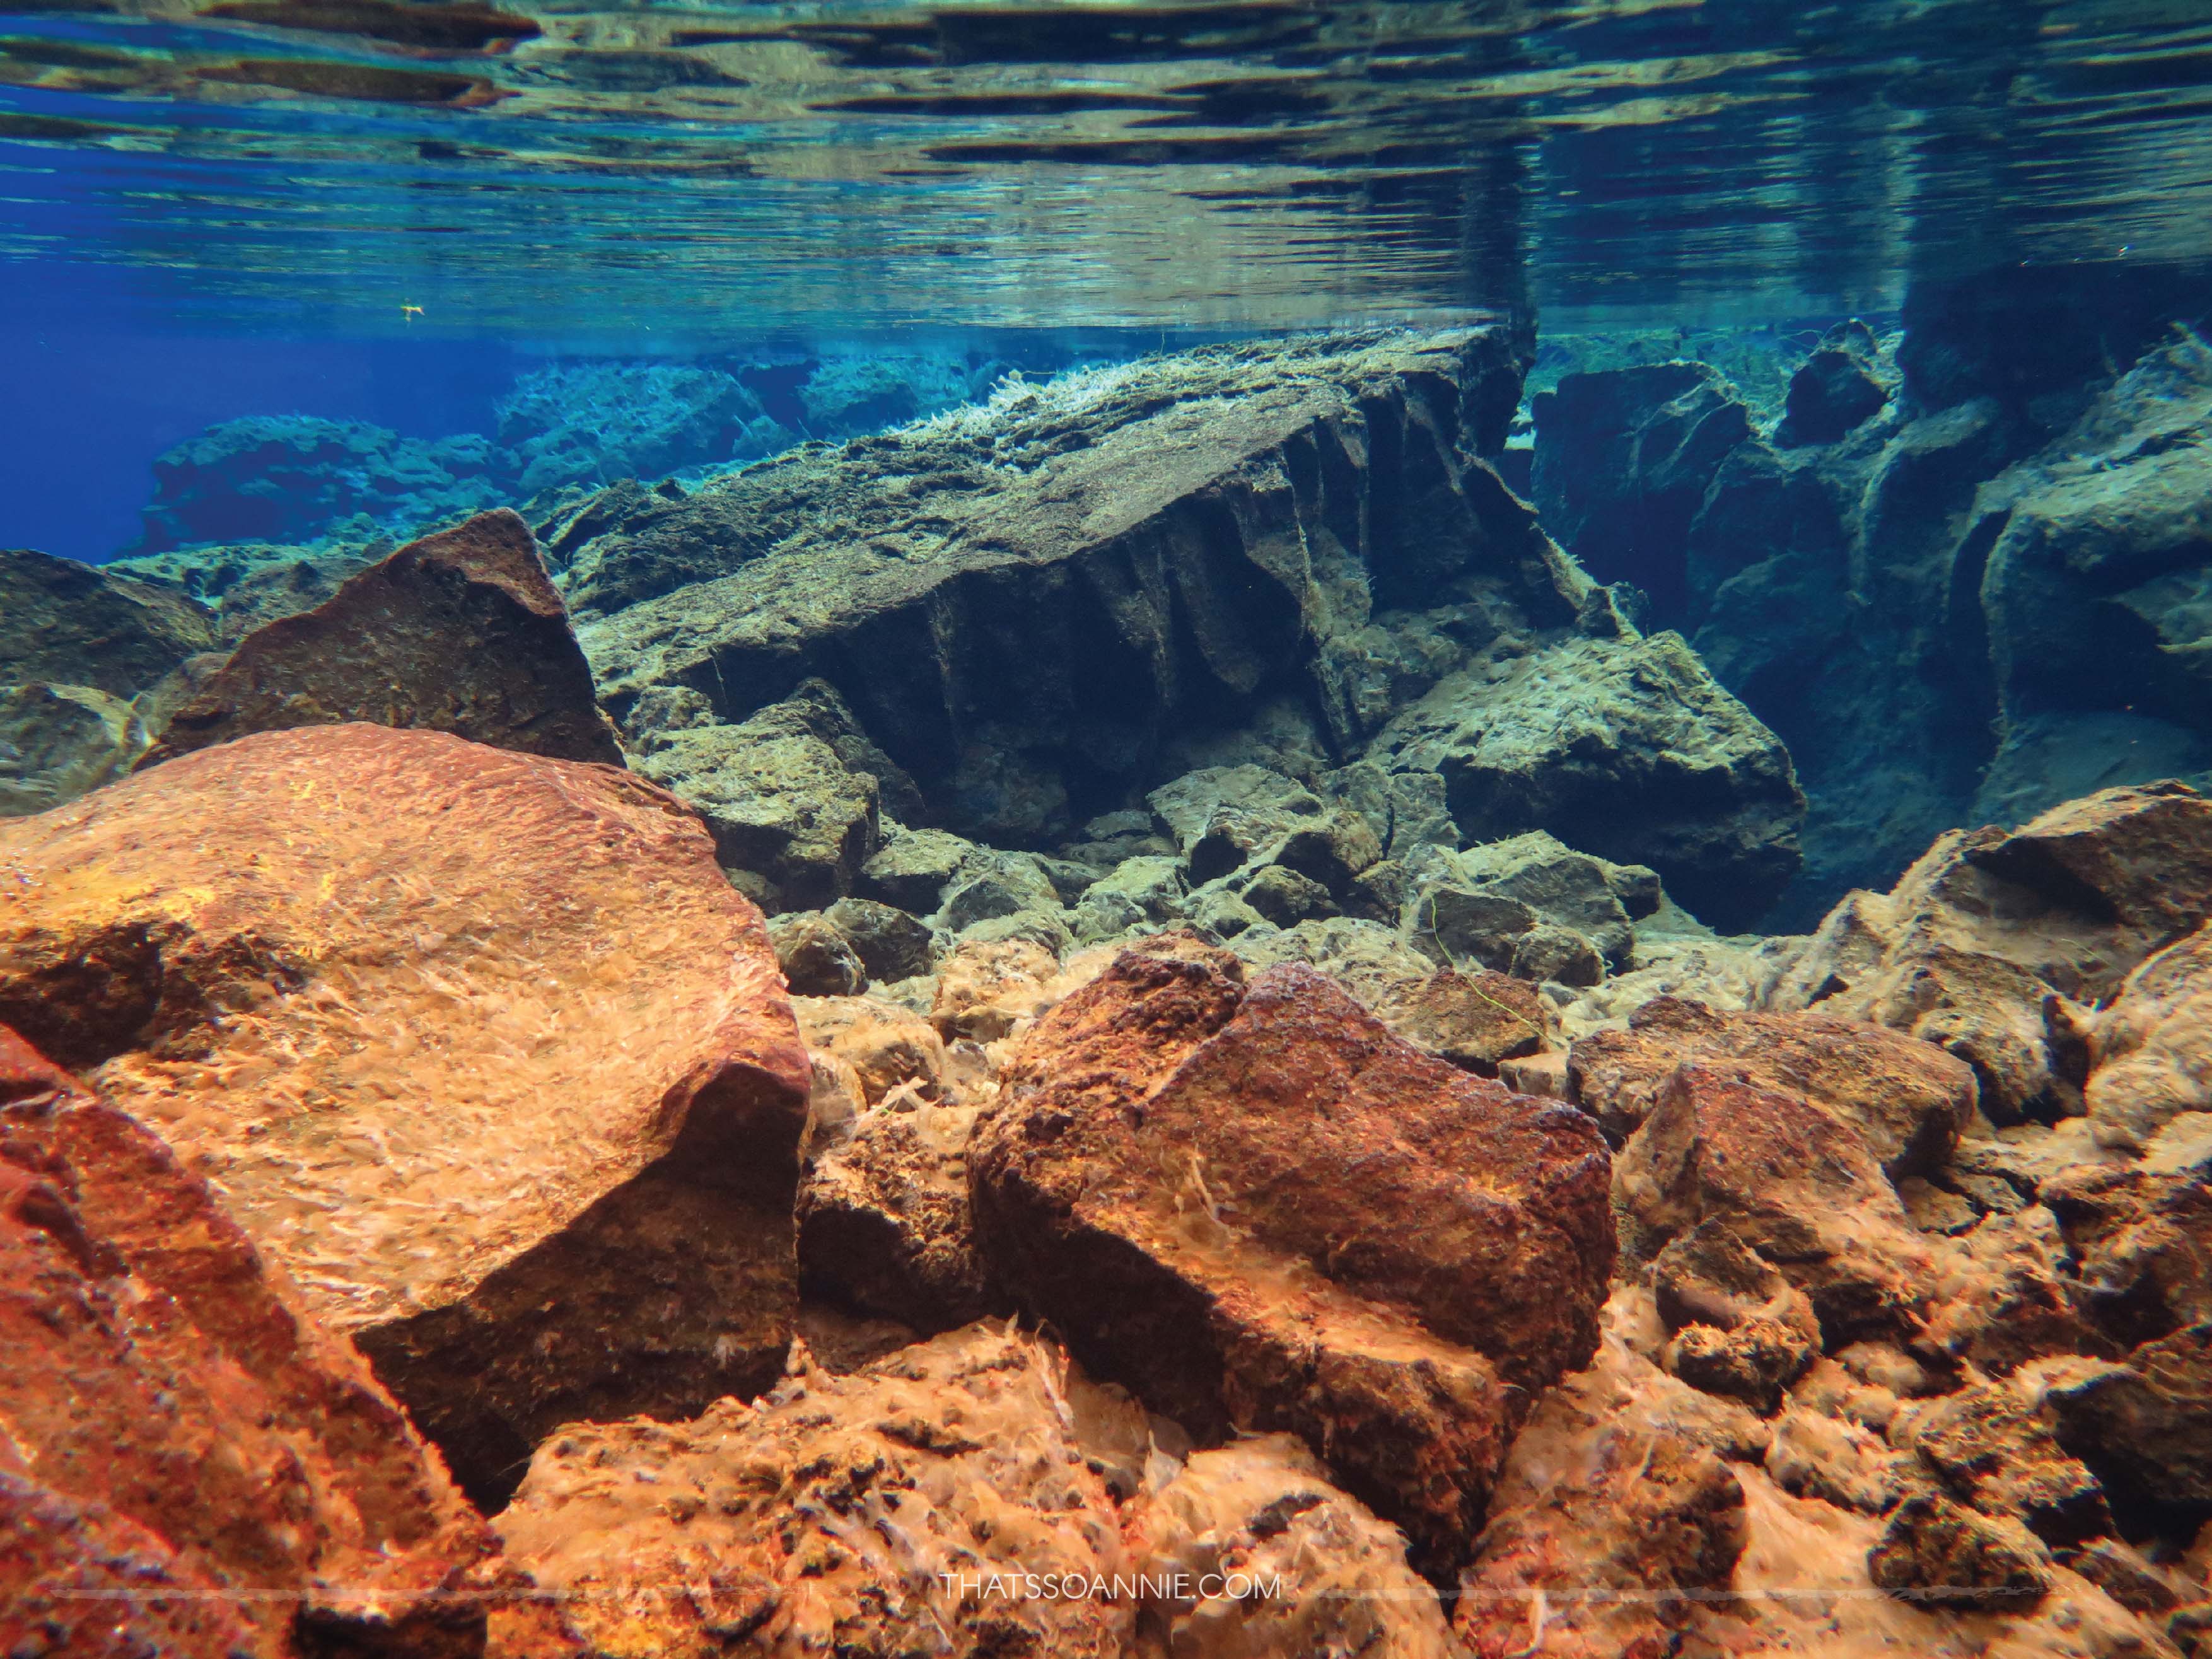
[[1374, 994]]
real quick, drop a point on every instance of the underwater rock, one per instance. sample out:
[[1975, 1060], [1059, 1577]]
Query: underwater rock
[[852, 1509], [252, 584], [1484, 902], [1909, 1100], [890, 944], [791, 795], [2146, 1426], [1984, 941], [1623, 747], [816, 958], [1991, 1444], [2142, 1239], [1261, 1512], [2095, 554], [177, 1423], [293, 478], [67, 623], [460, 632], [1477, 1020], [1624, 459], [1618, 1490], [1942, 1552], [595, 423], [58, 742], [1162, 1182], [1790, 1181], [888, 1046], [369, 980], [884, 1221], [1839, 387]]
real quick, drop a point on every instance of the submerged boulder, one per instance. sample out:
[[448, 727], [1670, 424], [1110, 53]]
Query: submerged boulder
[[460, 632], [918, 1494], [1258, 1208], [58, 742], [480, 1046], [1991, 945], [193, 1465], [1051, 602], [69, 624], [1622, 746]]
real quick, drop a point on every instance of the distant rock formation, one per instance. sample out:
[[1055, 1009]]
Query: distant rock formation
[[1961, 572]]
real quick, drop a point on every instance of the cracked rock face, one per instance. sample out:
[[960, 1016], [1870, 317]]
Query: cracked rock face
[[481, 1046], [1259, 1209]]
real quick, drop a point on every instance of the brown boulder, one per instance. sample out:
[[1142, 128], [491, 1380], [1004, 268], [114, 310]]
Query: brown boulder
[[1262, 1211], [1618, 1492], [1988, 944], [1991, 1445], [173, 1424], [1279, 1564], [884, 1221], [460, 632], [891, 1512], [1908, 1100], [480, 1046], [2152, 1048], [2146, 1426], [1790, 1180], [1944, 1554], [2143, 1242]]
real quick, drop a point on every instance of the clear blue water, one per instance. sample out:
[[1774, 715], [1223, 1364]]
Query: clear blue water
[[379, 209]]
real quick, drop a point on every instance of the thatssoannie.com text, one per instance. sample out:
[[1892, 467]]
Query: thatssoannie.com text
[[1095, 1587]]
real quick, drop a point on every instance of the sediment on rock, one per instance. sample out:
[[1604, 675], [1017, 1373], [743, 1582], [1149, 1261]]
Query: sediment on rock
[[481, 1046], [1257, 1208]]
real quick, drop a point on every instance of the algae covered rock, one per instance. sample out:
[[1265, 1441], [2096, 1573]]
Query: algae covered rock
[[460, 632], [1196, 1134], [68, 623], [369, 980], [58, 742], [1627, 748]]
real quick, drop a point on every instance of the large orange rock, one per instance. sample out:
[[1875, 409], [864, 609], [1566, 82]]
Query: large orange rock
[[460, 632], [480, 1046], [186, 1464], [1262, 1211]]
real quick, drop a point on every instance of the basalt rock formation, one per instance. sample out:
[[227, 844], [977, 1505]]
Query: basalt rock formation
[[1961, 575], [1259, 1209], [460, 632], [1044, 606], [481, 1046], [193, 1466]]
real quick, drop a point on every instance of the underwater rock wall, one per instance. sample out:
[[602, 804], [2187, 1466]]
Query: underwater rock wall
[[1958, 571], [296, 479]]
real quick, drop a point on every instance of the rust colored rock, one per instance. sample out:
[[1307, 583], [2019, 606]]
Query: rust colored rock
[[2143, 1242], [1944, 1554], [1789, 1179], [173, 1424], [481, 1046], [1281, 1565], [1476, 1020], [1909, 1099], [884, 1222], [458, 632], [2152, 1046], [828, 1516], [1991, 1444], [1615, 1496], [1260, 1210]]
